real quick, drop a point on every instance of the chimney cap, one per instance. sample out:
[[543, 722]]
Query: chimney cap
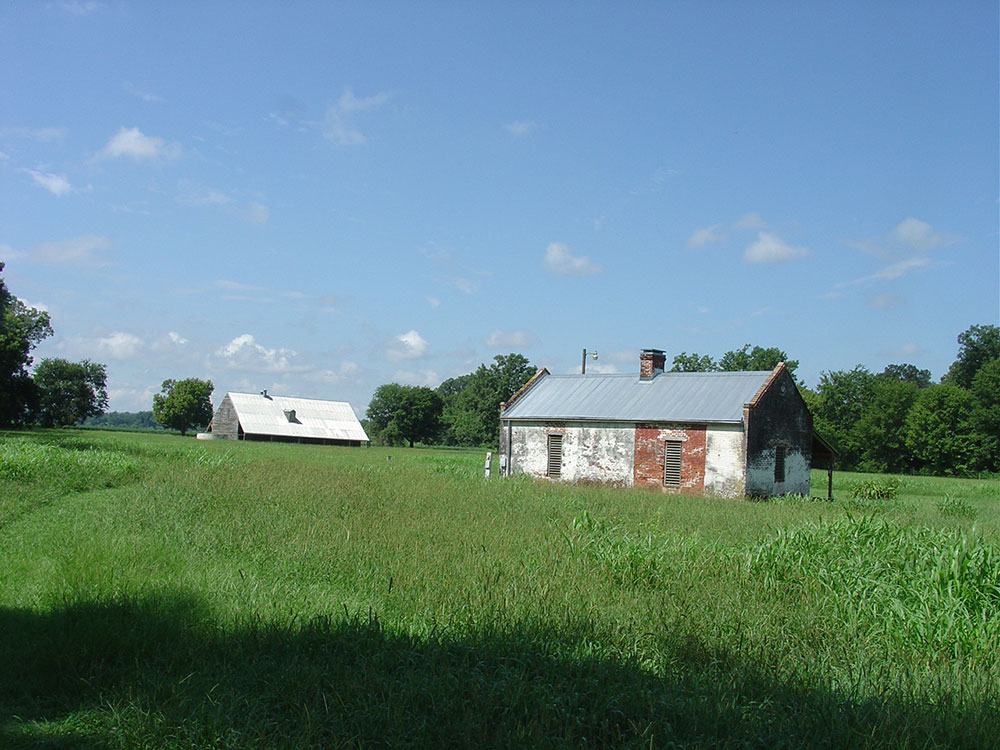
[[654, 351]]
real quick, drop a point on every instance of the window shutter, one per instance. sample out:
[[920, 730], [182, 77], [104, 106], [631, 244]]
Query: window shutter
[[555, 456], [672, 463], [779, 463]]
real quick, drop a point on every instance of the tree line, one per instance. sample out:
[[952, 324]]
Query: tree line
[[58, 393], [895, 421]]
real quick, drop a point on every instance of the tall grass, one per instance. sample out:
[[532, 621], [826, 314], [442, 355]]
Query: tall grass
[[162, 592]]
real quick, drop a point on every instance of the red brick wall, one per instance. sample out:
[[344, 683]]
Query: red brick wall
[[649, 449]]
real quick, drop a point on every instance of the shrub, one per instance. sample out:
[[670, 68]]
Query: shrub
[[876, 489]]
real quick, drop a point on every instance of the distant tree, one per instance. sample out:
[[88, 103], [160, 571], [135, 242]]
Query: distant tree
[[685, 362], [140, 420], [757, 358], [907, 373], [879, 433], [184, 404], [404, 413], [21, 329], [939, 430], [472, 402], [986, 415], [839, 403], [69, 392], [977, 346]]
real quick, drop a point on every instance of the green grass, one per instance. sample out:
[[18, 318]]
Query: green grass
[[165, 592]]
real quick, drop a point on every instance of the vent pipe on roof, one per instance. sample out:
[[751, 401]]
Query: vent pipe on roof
[[264, 393], [651, 363], [290, 414]]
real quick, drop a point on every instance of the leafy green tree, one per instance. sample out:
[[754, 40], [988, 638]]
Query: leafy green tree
[[939, 430], [472, 402], [405, 413], [880, 431], [977, 346], [757, 358], [140, 420], [685, 362], [21, 329], [907, 373], [840, 401], [986, 414], [69, 392], [183, 404]]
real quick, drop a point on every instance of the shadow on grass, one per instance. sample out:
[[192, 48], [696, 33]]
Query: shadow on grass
[[158, 672]]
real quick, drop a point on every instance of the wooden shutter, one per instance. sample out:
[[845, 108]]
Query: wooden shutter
[[555, 456], [672, 463]]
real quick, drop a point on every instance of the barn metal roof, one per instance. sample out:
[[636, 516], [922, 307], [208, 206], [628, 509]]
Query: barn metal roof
[[669, 397], [314, 418]]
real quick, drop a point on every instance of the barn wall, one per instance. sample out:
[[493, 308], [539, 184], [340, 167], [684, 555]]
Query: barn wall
[[724, 468], [225, 422], [650, 447], [780, 418]]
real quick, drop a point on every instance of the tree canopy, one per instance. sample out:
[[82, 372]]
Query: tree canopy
[[69, 392], [21, 329], [184, 404], [472, 402], [977, 345], [405, 413]]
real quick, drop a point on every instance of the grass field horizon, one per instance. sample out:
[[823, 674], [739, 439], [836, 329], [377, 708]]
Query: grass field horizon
[[158, 591]]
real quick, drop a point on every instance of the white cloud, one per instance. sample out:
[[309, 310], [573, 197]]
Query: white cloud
[[193, 194], [751, 220], [559, 261], [144, 95], [79, 251], [907, 350], [79, 7], [884, 301], [419, 377], [770, 248], [177, 338], [705, 236], [918, 235], [409, 345], [244, 353], [520, 128], [510, 339], [131, 142], [42, 135], [258, 213], [892, 271], [120, 345], [41, 306], [433, 301], [57, 184], [339, 126]]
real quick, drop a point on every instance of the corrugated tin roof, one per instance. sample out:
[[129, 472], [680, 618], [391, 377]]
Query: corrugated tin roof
[[315, 418], [669, 397]]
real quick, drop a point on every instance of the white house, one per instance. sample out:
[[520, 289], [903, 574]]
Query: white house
[[261, 416]]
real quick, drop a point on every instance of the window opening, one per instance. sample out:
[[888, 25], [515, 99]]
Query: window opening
[[555, 456], [672, 463], [779, 463]]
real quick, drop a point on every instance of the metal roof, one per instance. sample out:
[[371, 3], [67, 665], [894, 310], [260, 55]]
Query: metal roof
[[314, 418], [669, 397]]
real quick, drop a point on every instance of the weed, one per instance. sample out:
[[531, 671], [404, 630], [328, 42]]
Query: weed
[[955, 506]]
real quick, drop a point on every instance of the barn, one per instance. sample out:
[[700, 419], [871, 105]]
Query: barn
[[728, 434], [262, 416]]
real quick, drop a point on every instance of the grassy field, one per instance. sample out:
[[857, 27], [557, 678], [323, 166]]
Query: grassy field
[[157, 591]]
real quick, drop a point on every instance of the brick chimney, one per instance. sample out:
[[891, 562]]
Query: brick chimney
[[651, 363]]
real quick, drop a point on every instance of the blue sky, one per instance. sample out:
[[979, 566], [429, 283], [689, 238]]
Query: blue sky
[[318, 198]]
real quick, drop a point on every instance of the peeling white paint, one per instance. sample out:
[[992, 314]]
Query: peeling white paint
[[724, 448], [592, 452], [760, 475]]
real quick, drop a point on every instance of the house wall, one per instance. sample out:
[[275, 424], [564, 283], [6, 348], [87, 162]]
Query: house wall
[[650, 446], [592, 452], [225, 422], [725, 474], [779, 418]]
